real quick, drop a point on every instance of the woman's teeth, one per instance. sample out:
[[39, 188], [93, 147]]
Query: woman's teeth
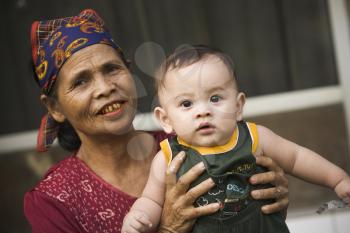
[[110, 108]]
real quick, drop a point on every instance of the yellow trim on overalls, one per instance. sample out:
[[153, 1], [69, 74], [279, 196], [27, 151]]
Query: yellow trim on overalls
[[215, 149], [253, 130], [165, 147]]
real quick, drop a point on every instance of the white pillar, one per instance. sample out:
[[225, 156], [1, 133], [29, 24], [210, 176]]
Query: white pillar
[[341, 37]]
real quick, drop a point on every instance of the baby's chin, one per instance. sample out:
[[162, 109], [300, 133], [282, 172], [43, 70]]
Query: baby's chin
[[206, 142]]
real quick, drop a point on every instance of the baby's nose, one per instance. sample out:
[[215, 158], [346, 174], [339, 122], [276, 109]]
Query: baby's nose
[[203, 111]]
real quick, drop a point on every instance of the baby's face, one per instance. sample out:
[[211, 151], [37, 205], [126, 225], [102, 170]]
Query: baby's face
[[201, 102]]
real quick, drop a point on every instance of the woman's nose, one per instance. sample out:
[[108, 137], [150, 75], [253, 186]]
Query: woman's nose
[[103, 87]]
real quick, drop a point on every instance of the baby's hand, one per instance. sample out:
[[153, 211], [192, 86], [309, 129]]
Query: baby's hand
[[343, 190], [136, 222]]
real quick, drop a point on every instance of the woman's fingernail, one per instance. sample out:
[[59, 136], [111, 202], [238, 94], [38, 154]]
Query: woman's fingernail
[[257, 159], [217, 205], [172, 168], [211, 182], [201, 166], [253, 180], [255, 193], [182, 155]]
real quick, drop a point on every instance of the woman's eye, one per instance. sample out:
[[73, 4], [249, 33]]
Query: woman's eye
[[111, 69], [186, 103], [79, 82], [215, 98]]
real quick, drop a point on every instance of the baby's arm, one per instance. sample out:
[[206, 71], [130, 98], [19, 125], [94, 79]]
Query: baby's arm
[[145, 213], [304, 163]]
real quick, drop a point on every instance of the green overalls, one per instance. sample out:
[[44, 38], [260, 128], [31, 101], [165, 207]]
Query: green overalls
[[230, 166]]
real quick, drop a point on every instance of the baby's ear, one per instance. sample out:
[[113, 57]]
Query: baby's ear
[[240, 101], [163, 119], [53, 108]]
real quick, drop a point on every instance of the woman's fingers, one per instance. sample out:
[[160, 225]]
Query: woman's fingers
[[268, 163], [185, 202], [190, 176], [270, 193], [184, 182], [276, 206], [179, 214], [191, 195], [276, 177], [173, 168], [264, 178], [270, 177], [194, 213]]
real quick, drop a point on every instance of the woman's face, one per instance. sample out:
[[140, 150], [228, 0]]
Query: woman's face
[[96, 92]]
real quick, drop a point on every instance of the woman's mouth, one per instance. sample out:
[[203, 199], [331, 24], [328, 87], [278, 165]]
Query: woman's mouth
[[111, 108]]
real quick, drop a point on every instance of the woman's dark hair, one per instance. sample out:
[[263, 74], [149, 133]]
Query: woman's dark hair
[[67, 137]]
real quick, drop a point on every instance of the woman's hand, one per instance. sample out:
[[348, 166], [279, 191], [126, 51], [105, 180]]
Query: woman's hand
[[179, 214], [274, 176]]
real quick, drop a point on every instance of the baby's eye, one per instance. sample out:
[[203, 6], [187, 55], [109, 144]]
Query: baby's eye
[[215, 98], [186, 103]]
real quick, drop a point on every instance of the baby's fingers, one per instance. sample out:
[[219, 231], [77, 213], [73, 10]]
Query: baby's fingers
[[144, 221], [136, 222], [129, 230], [346, 200]]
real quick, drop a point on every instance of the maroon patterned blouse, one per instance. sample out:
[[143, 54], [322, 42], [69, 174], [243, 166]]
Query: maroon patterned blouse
[[72, 198]]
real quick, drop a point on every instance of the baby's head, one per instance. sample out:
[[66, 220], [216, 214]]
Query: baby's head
[[198, 96]]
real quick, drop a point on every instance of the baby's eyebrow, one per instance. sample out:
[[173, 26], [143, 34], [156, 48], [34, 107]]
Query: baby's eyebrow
[[183, 95], [213, 89]]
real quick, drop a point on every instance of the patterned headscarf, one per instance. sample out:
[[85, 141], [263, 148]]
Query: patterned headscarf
[[53, 42]]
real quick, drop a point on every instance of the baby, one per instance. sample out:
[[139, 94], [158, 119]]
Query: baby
[[200, 103]]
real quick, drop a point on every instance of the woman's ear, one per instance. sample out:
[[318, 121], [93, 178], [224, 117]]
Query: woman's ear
[[240, 101], [163, 119], [53, 108]]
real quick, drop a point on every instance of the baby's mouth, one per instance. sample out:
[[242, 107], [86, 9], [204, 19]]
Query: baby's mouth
[[204, 126]]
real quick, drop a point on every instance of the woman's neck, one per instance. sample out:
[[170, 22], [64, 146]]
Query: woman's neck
[[105, 150], [120, 160]]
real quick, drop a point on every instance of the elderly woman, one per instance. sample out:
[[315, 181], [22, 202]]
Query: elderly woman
[[91, 100]]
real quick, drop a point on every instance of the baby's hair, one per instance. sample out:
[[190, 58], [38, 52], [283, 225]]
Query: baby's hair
[[187, 55]]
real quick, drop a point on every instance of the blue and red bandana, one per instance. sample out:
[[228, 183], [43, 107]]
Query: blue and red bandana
[[53, 42]]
